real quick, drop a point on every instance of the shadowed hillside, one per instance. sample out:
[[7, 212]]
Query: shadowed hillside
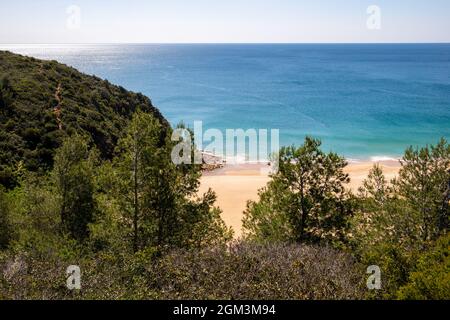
[[43, 101]]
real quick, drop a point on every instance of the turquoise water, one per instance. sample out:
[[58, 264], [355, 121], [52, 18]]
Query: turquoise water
[[363, 101]]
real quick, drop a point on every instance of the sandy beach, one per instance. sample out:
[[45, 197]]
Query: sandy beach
[[236, 184]]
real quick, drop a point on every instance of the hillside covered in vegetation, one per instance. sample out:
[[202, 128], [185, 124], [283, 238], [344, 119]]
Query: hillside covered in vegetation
[[41, 102]]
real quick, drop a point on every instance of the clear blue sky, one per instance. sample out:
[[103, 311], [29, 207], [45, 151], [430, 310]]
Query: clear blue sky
[[161, 21]]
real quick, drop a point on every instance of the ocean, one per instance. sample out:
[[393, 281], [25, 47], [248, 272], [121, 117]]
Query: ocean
[[364, 101]]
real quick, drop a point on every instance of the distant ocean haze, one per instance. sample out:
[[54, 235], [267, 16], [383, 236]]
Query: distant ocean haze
[[365, 101]]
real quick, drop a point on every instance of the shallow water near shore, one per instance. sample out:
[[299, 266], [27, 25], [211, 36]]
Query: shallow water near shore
[[364, 101]]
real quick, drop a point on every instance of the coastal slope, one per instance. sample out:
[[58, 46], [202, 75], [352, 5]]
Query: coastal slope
[[43, 101]]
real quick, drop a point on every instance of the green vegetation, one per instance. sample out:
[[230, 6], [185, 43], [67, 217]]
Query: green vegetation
[[106, 196], [74, 180], [243, 271], [431, 276], [398, 222], [306, 200], [5, 227], [31, 107], [390, 224]]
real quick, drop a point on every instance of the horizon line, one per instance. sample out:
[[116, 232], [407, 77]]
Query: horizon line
[[213, 43]]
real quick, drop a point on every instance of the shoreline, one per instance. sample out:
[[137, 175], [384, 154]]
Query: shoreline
[[235, 184]]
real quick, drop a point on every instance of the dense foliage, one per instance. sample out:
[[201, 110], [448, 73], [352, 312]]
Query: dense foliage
[[5, 227], [306, 201], [400, 221], [430, 278], [74, 181], [241, 271], [393, 224], [37, 96]]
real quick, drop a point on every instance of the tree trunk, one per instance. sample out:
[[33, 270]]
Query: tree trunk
[[136, 204], [303, 215]]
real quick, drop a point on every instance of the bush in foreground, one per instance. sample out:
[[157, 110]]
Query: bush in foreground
[[255, 271], [241, 271], [431, 278]]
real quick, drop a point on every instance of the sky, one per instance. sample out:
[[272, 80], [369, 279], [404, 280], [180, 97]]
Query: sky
[[223, 21]]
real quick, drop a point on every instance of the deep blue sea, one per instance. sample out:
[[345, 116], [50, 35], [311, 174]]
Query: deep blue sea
[[363, 101]]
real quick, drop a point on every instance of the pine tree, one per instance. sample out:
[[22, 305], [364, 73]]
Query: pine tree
[[137, 167], [159, 200], [424, 183], [307, 195], [74, 178]]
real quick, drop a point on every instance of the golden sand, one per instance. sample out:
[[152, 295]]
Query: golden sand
[[235, 185]]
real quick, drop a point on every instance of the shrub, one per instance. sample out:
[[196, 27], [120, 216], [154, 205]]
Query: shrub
[[5, 226], [242, 271], [431, 277], [254, 271]]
